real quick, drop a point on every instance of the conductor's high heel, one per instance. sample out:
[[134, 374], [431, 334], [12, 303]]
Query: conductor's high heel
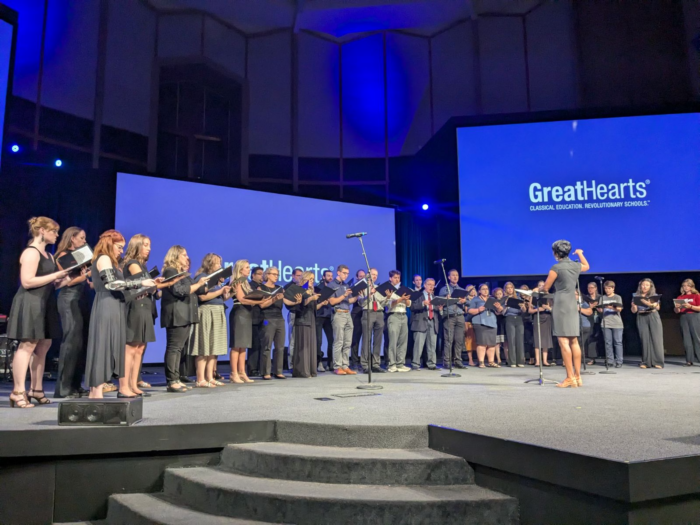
[[567, 383]]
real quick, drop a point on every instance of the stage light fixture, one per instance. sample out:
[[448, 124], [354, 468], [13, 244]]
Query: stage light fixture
[[425, 207], [15, 148], [58, 163]]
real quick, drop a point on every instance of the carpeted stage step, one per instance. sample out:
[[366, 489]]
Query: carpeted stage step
[[300, 479], [294, 462], [219, 492]]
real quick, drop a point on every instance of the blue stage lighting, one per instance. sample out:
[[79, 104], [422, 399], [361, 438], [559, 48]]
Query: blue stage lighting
[[58, 163], [15, 148], [425, 207]]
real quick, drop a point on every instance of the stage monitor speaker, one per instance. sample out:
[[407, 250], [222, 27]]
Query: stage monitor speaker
[[100, 412]]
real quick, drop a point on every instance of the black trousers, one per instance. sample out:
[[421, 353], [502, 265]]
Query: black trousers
[[176, 340], [515, 334], [374, 334], [274, 332], [356, 336], [453, 340], [690, 328], [585, 341], [254, 361], [324, 324], [71, 357]]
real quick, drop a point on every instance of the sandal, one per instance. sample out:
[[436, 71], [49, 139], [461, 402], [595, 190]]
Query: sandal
[[567, 383], [246, 379], [143, 384], [235, 379], [493, 365], [203, 384], [481, 364], [109, 387], [42, 400], [642, 365], [23, 402], [591, 362], [177, 387], [658, 367]]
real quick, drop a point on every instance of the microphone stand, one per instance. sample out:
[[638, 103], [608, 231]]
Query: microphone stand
[[449, 292], [369, 385], [540, 380], [602, 329]]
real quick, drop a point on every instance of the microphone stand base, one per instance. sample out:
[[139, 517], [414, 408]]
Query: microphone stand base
[[370, 386], [542, 381], [587, 373], [450, 374], [608, 372]]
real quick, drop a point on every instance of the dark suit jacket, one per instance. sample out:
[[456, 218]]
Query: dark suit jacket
[[419, 316], [178, 307]]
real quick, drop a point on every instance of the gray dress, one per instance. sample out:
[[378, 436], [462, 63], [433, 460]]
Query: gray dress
[[107, 337], [565, 314]]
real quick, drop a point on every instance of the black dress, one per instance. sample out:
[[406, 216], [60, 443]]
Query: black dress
[[241, 323], [73, 310], [107, 337], [139, 312], [304, 360], [34, 312]]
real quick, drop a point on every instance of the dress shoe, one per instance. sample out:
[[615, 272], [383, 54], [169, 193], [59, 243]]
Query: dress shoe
[[320, 367], [618, 365], [349, 372], [185, 379], [415, 368], [458, 365], [378, 370], [340, 372], [433, 368], [123, 396]]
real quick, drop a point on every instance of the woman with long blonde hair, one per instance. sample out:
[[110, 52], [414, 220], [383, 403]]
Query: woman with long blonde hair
[[178, 313], [73, 310], [33, 317], [209, 336], [241, 321]]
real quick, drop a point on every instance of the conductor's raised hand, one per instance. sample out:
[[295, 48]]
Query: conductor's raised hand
[[578, 251]]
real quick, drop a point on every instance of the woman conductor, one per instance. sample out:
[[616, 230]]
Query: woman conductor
[[564, 277]]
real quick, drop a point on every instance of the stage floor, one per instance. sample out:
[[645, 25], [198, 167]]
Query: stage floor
[[634, 415]]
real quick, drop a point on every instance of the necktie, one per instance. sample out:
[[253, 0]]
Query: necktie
[[430, 306], [374, 304]]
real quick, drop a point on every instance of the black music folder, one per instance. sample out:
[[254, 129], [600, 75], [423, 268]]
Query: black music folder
[[326, 292], [458, 293], [417, 296], [513, 302], [359, 286], [637, 299], [610, 305], [588, 299], [291, 290], [221, 273], [258, 294], [76, 259], [384, 288], [682, 303], [175, 276], [404, 290], [444, 301], [491, 303], [154, 272]]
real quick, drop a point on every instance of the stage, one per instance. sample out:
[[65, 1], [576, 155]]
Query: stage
[[624, 441]]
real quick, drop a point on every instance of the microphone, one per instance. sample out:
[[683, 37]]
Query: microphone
[[599, 278], [359, 234], [439, 261]]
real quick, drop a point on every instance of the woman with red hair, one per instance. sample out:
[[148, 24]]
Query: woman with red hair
[[106, 349]]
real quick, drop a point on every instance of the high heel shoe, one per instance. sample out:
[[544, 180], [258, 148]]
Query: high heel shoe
[[42, 400], [246, 379], [567, 383], [23, 402], [236, 379], [579, 381]]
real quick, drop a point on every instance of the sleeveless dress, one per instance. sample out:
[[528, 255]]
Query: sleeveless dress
[[107, 338], [139, 311], [34, 312], [241, 323], [565, 314]]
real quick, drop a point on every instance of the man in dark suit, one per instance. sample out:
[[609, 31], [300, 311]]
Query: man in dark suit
[[424, 326]]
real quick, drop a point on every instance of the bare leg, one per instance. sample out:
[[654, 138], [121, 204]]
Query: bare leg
[[200, 363], [480, 353], [491, 353], [95, 392], [544, 357], [470, 353], [576, 356], [497, 351], [125, 382], [564, 344], [537, 356], [209, 369], [137, 356], [234, 366], [20, 363], [241, 366]]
